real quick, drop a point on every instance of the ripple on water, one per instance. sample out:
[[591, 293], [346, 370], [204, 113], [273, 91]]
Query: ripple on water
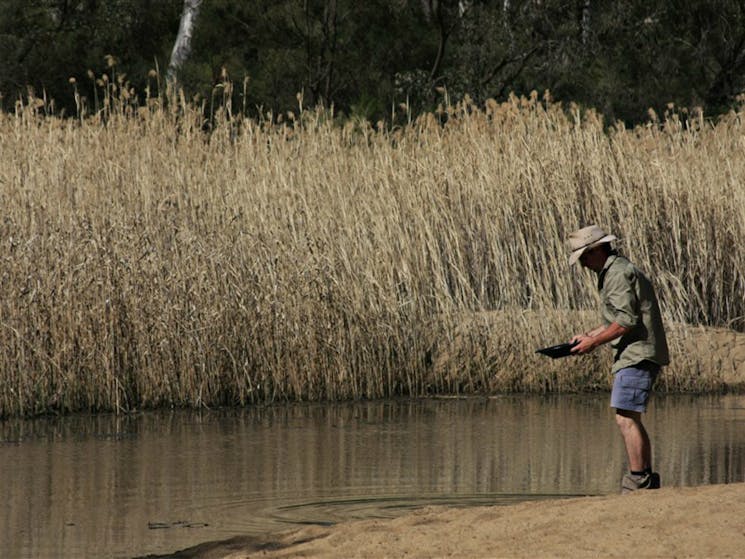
[[332, 511]]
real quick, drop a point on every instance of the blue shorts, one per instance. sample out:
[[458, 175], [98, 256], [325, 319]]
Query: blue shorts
[[632, 385]]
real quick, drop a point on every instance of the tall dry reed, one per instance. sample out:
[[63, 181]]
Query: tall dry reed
[[147, 262]]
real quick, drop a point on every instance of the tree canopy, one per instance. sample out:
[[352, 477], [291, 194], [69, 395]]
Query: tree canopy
[[369, 58]]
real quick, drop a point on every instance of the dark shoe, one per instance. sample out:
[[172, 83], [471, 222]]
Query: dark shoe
[[654, 482], [633, 482]]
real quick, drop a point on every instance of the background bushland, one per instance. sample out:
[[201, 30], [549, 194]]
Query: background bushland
[[369, 58]]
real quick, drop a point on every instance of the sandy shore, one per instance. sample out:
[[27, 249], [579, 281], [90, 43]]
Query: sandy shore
[[706, 521]]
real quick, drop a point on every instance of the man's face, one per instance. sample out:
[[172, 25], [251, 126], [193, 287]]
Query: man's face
[[593, 258]]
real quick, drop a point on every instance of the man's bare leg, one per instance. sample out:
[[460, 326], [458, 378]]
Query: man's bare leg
[[636, 439]]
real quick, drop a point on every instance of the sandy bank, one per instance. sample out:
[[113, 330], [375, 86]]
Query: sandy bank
[[707, 521]]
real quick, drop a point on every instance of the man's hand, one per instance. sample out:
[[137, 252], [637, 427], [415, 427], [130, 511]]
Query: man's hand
[[585, 344], [589, 341]]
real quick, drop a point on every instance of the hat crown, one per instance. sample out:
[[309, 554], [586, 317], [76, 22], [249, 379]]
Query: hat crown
[[586, 236]]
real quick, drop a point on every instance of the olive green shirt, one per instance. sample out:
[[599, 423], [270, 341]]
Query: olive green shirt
[[628, 298]]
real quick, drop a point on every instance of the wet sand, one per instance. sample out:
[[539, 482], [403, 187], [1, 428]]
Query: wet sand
[[705, 521]]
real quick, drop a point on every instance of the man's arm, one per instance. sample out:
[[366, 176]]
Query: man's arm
[[588, 341]]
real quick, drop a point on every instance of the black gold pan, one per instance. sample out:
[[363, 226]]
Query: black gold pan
[[556, 351]]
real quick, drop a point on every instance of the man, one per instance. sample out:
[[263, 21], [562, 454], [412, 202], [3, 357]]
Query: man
[[633, 327]]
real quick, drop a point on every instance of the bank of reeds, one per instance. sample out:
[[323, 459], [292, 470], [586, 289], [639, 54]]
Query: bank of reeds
[[148, 261]]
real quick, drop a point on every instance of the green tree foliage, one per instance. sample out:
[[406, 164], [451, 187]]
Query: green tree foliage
[[369, 58], [44, 43]]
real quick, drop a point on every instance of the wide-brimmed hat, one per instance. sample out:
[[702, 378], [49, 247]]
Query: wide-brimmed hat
[[587, 237]]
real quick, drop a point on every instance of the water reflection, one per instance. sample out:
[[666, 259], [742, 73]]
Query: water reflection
[[121, 486]]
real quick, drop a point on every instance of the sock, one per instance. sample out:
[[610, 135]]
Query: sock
[[645, 471]]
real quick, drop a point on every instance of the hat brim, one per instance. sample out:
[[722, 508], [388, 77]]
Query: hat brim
[[575, 256]]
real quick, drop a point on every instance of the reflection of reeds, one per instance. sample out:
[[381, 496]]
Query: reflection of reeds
[[148, 263]]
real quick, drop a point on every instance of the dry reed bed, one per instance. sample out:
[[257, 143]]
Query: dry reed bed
[[147, 263]]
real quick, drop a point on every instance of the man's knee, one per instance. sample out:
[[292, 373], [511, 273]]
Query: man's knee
[[626, 418]]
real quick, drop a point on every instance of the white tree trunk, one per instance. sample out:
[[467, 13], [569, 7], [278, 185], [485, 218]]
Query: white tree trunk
[[586, 22], [182, 46]]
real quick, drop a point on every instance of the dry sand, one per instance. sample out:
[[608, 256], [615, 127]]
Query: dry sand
[[706, 521]]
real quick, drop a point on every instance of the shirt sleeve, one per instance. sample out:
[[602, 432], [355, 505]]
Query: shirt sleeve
[[620, 297]]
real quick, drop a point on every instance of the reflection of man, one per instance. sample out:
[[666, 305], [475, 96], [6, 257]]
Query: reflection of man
[[633, 326]]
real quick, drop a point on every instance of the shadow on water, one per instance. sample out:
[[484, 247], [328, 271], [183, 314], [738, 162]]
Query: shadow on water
[[153, 483]]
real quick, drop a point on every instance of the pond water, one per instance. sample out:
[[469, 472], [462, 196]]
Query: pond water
[[155, 483]]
